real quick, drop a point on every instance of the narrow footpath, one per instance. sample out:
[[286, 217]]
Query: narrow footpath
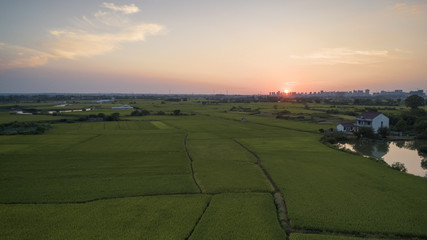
[[191, 163], [279, 200]]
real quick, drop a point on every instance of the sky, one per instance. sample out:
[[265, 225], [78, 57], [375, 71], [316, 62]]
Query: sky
[[212, 47]]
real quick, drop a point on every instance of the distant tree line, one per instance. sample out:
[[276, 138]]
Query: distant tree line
[[144, 112], [245, 109], [23, 128], [101, 117]]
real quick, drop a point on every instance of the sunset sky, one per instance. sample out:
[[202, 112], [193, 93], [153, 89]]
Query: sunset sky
[[197, 46]]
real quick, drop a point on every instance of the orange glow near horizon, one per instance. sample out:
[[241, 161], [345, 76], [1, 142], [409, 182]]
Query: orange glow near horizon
[[118, 48]]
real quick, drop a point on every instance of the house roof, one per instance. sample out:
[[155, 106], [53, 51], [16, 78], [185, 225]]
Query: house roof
[[347, 124], [369, 115]]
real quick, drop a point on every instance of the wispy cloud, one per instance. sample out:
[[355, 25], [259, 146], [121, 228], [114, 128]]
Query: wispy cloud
[[402, 51], [72, 44], [410, 8], [332, 56], [126, 9], [12, 56], [101, 33]]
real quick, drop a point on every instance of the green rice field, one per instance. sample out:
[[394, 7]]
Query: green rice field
[[202, 175]]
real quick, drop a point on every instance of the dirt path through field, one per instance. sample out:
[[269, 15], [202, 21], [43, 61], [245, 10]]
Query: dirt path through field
[[279, 200], [191, 163]]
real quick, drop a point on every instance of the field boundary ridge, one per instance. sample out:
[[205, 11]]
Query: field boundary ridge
[[191, 163], [279, 200]]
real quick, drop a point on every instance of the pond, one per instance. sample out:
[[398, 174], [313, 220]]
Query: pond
[[407, 152]]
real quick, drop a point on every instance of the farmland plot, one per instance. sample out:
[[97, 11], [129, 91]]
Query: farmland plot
[[299, 236], [240, 216], [81, 165], [100, 168], [155, 217], [221, 165], [329, 190]]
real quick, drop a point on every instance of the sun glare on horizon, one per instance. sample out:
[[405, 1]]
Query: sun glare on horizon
[[286, 91]]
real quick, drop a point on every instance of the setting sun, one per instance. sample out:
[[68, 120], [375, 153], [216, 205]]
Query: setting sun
[[286, 91]]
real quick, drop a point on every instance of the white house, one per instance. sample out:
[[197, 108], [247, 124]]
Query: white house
[[123, 107], [345, 127], [373, 120]]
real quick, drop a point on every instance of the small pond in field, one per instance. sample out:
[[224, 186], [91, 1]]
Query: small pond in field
[[410, 153]]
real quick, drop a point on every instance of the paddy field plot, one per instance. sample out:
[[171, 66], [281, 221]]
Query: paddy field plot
[[300, 236], [82, 164], [154, 217], [329, 190], [240, 216], [222, 165]]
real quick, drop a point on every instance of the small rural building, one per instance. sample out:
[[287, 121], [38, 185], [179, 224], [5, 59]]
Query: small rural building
[[373, 120], [103, 101], [345, 127], [123, 107], [23, 113]]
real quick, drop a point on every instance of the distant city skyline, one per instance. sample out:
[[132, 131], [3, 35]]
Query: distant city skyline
[[352, 93], [209, 47]]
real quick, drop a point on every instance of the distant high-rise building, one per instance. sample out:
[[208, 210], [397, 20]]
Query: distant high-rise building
[[367, 91]]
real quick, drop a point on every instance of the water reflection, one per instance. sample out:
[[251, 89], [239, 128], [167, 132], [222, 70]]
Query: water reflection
[[410, 153]]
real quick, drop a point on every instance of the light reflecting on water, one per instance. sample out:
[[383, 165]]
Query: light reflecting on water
[[400, 151]]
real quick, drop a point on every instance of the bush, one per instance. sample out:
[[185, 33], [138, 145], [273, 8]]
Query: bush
[[371, 109], [333, 137], [283, 117], [23, 128], [160, 113], [423, 135], [399, 166], [420, 125], [113, 117], [177, 112], [423, 149], [414, 101], [383, 132], [284, 112], [400, 126], [140, 112], [365, 132], [332, 111]]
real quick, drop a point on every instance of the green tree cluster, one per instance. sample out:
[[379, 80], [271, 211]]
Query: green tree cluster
[[413, 120]]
